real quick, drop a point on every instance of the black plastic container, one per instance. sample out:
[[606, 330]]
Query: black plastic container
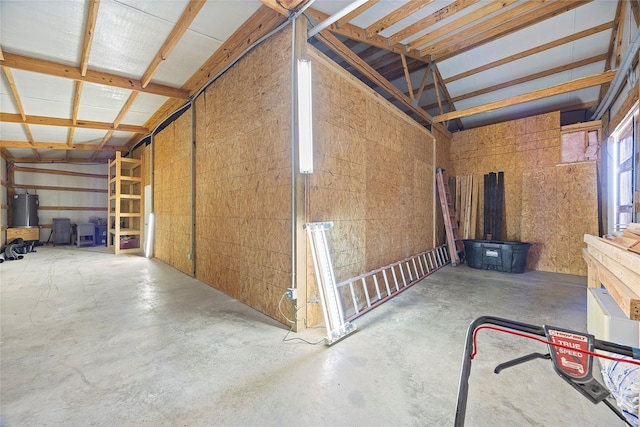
[[508, 257]]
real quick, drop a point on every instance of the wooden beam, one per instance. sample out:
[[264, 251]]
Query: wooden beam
[[341, 50], [533, 76], [42, 66], [84, 124], [614, 32], [407, 76], [454, 25], [423, 83], [357, 11], [185, 20], [263, 21], [58, 172], [506, 23], [283, 7], [434, 18], [623, 12], [61, 160], [57, 188], [6, 154], [435, 82], [357, 33], [88, 35], [577, 84], [58, 146], [532, 51], [396, 16], [447, 95], [72, 208], [14, 91]]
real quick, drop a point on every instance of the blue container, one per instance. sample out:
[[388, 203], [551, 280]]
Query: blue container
[[508, 257]]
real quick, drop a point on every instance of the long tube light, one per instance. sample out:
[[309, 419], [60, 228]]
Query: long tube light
[[305, 117]]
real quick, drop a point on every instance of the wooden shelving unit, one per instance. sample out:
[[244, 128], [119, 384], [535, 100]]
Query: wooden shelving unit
[[125, 205]]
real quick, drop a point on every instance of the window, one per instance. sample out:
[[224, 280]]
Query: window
[[623, 160]]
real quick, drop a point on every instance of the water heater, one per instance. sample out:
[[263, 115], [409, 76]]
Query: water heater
[[25, 210]]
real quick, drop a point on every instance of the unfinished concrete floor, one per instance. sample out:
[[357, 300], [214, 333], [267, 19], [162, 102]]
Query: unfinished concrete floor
[[90, 338]]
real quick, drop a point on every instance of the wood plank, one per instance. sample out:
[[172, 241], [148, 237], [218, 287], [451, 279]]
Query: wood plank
[[88, 35], [624, 264], [341, 50], [407, 77], [84, 124], [531, 77], [619, 36], [58, 188], [581, 83], [453, 46], [32, 233], [396, 16], [57, 172], [474, 206], [59, 146], [446, 93], [72, 208], [356, 12], [625, 297], [635, 9], [50, 68], [573, 37], [185, 20], [442, 14], [356, 33], [14, 91]]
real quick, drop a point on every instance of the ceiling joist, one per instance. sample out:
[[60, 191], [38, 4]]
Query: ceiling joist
[[58, 146], [396, 16]]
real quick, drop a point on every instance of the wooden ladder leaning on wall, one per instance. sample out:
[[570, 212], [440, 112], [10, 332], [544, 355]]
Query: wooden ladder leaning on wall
[[454, 242]]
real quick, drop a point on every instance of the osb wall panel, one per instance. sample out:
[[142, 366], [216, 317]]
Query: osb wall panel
[[243, 178], [172, 194], [373, 175], [538, 189]]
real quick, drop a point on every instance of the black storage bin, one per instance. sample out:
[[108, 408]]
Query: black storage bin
[[508, 257]]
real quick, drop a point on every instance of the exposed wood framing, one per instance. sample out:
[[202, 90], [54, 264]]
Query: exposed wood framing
[[581, 83], [58, 172], [499, 26], [258, 25], [423, 83], [88, 35], [72, 208], [58, 146], [58, 188], [610, 52], [437, 84], [439, 15], [121, 115], [531, 77], [357, 33], [447, 95], [396, 16], [187, 17], [50, 68], [407, 77], [623, 12], [283, 6], [532, 51], [47, 160], [357, 11], [84, 124], [345, 53]]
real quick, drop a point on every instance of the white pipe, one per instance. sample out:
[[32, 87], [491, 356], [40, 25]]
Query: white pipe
[[335, 17]]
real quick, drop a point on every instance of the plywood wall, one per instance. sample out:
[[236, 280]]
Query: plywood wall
[[548, 204], [373, 175], [243, 178], [172, 194]]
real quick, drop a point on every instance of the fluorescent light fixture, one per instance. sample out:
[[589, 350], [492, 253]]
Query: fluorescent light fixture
[[337, 327], [148, 249], [305, 119]]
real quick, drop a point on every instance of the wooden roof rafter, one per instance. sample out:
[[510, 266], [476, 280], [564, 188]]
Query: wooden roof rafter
[[515, 19], [16, 97], [396, 16], [87, 40], [50, 68], [577, 84], [357, 11], [82, 124], [532, 51]]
